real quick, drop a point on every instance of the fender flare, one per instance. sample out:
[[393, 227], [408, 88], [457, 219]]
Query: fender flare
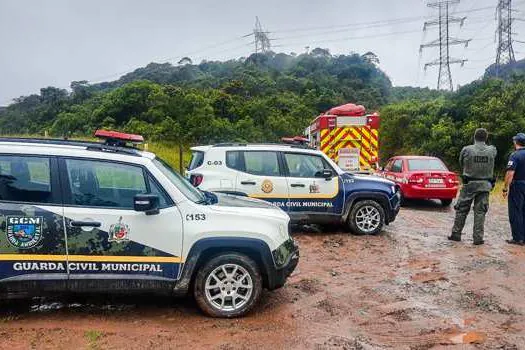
[[206, 248], [380, 197]]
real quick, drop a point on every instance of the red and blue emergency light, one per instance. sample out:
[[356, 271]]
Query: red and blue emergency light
[[120, 139]]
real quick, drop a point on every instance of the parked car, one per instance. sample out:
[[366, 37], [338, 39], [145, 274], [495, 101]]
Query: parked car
[[304, 182], [106, 217], [421, 177]]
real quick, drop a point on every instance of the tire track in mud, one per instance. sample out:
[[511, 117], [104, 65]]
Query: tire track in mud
[[408, 288]]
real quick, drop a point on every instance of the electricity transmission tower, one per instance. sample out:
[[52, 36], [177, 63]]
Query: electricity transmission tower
[[444, 42], [505, 52], [262, 41]]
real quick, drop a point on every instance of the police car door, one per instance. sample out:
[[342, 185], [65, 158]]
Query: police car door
[[260, 176], [32, 241], [310, 192], [108, 241]]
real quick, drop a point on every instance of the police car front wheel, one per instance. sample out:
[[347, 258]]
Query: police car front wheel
[[228, 285], [366, 218]]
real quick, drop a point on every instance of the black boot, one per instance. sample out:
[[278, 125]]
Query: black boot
[[454, 237]]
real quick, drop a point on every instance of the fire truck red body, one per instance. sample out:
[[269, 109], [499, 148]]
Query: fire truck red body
[[348, 135]]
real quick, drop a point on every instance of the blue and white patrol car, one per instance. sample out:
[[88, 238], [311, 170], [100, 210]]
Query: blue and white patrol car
[[106, 217], [304, 182]]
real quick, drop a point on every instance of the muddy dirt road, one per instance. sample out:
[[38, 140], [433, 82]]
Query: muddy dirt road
[[409, 288]]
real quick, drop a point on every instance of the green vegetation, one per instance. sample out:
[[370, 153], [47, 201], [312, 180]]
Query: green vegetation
[[261, 98], [267, 96], [443, 125], [92, 337]]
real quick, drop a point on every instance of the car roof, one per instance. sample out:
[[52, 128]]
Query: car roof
[[59, 147], [257, 147], [415, 157]]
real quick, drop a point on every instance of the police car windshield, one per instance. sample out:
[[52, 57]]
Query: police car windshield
[[426, 164], [182, 184]]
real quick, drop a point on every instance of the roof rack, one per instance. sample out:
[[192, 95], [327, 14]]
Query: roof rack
[[262, 144], [90, 145]]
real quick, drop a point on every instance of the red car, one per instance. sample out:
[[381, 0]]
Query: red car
[[422, 178]]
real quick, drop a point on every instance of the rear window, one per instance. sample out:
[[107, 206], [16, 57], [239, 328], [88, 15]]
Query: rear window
[[426, 164], [197, 158]]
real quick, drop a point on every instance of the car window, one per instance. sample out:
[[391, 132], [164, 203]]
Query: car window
[[426, 164], [25, 179], [304, 165], [234, 160], [388, 166], [197, 158], [164, 200], [263, 163], [397, 166], [180, 182], [104, 184]]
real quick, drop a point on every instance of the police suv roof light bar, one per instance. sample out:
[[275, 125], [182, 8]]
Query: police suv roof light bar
[[118, 139]]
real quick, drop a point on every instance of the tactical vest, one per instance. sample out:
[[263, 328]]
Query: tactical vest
[[478, 162]]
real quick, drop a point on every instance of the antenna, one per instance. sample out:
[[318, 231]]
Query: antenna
[[444, 42]]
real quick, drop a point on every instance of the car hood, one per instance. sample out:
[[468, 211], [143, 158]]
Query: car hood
[[245, 206], [371, 178], [228, 200]]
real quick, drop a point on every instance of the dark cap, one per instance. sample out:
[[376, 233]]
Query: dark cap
[[520, 137]]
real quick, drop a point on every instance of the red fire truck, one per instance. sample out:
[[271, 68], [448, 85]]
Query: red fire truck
[[348, 135]]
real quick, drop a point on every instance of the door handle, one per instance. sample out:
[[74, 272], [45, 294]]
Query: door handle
[[85, 224], [248, 183], [297, 185]]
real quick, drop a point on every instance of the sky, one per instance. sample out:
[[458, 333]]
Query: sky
[[54, 42]]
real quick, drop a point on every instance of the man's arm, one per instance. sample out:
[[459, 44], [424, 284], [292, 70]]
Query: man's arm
[[509, 176], [462, 157]]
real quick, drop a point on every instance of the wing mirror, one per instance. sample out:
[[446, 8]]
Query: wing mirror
[[326, 174], [147, 203]]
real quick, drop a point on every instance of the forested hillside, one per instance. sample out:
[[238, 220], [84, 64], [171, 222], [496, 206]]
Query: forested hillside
[[267, 96], [261, 98], [442, 126]]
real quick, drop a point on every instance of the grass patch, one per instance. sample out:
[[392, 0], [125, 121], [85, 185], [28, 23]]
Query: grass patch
[[169, 152], [92, 336]]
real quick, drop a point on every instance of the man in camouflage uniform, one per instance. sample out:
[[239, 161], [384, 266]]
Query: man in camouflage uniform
[[477, 162]]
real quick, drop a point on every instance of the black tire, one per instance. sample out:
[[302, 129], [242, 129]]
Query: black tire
[[446, 202], [352, 218], [199, 290]]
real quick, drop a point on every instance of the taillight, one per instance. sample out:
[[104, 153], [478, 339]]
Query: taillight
[[453, 179], [196, 179], [415, 179]]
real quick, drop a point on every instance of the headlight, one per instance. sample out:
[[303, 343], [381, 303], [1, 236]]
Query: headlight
[[393, 188]]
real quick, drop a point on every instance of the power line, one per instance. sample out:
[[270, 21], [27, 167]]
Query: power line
[[387, 22], [351, 38], [444, 42]]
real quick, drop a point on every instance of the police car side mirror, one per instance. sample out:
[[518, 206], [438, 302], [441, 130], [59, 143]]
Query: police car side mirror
[[147, 203], [325, 174]]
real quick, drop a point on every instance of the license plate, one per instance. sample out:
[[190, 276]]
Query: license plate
[[435, 181]]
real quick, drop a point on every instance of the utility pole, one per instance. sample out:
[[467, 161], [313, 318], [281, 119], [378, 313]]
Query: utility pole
[[262, 41], [505, 52], [444, 42]]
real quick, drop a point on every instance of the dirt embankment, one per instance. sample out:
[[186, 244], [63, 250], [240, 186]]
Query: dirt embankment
[[409, 288]]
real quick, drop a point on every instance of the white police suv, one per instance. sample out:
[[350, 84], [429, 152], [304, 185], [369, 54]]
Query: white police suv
[[304, 182], [106, 217]]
